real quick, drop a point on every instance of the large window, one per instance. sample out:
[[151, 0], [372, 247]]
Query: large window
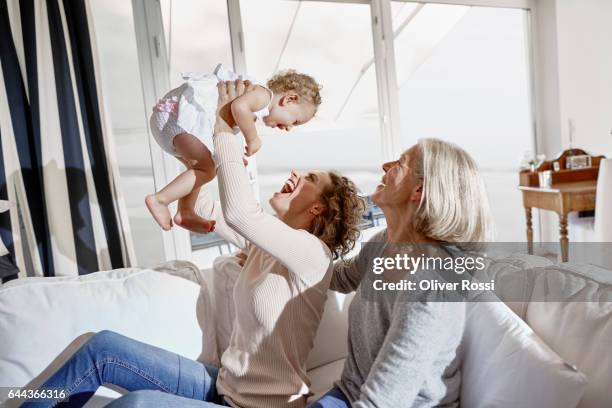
[[463, 76], [333, 43], [456, 72], [197, 36]]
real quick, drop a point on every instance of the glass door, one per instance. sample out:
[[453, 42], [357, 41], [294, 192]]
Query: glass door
[[122, 96]]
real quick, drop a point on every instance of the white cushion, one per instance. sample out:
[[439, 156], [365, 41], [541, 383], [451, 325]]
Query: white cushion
[[43, 320], [226, 270], [505, 364], [580, 330], [330, 343], [322, 378], [513, 276]]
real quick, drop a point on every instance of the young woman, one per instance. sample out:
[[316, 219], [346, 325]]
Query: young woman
[[279, 296]]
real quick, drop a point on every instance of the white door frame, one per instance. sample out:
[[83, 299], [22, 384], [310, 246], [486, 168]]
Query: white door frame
[[155, 78], [384, 61], [240, 66]]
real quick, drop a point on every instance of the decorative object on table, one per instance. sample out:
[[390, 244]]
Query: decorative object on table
[[581, 161], [531, 162], [545, 178]]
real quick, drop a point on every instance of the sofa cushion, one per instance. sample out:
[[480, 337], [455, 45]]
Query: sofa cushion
[[505, 364], [330, 343], [323, 378], [512, 272], [44, 320], [225, 273], [579, 329]]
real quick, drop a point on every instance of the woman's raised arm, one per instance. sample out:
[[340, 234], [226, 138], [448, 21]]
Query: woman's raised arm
[[296, 249], [209, 209]]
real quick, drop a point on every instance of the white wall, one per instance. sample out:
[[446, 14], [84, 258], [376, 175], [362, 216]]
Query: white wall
[[573, 55], [585, 72], [546, 61]]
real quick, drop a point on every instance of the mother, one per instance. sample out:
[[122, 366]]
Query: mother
[[279, 296], [402, 352]]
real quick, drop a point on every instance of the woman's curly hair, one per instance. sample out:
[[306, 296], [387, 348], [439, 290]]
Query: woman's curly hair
[[337, 226], [303, 85]]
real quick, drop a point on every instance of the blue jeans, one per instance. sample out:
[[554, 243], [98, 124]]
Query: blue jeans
[[147, 399], [110, 358], [333, 399]]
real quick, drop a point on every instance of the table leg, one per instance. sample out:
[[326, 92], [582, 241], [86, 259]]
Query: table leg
[[563, 240], [529, 231]]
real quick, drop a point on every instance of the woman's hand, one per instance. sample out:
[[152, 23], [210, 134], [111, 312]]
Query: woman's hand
[[242, 257], [252, 146], [228, 91]]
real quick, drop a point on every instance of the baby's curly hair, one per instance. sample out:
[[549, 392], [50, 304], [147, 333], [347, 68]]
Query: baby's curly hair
[[303, 85], [338, 225]]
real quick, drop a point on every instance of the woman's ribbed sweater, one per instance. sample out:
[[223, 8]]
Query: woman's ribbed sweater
[[279, 296]]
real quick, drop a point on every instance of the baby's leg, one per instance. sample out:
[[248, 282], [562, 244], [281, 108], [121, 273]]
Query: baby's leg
[[200, 160], [201, 170], [187, 218]]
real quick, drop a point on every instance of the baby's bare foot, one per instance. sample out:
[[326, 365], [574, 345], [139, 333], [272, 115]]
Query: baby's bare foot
[[193, 222], [159, 211]]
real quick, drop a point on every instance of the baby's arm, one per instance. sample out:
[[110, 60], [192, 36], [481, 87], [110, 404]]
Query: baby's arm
[[242, 111]]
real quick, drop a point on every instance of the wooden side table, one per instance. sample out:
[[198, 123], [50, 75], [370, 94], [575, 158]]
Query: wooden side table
[[561, 198], [571, 190]]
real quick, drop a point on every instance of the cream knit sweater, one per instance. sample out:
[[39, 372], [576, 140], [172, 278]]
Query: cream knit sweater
[[279, 296]]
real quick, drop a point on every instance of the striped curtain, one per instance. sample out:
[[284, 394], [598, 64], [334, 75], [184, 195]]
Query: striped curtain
[[57, 157]]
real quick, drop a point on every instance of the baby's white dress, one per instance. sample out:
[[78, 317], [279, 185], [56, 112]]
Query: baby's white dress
[[191, 108]]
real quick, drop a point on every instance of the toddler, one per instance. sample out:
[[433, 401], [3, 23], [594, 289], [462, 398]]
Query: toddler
[[182, 124]]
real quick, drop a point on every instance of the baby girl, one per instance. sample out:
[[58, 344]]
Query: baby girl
[[182, 124]]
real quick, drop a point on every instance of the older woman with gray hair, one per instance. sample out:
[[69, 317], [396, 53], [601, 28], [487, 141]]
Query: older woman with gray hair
[[402, 350]]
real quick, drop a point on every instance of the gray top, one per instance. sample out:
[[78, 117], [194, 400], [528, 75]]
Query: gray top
[[401, 352]]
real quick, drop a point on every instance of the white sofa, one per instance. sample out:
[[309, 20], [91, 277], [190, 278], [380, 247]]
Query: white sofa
[[185, 310]]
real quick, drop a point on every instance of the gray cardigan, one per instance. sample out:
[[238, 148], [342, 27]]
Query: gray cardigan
[[401, 352]]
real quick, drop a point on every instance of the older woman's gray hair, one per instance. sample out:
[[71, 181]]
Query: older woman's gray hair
[[454, 206]]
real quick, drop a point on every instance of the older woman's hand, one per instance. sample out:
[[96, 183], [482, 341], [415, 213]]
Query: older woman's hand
[[228, 91]]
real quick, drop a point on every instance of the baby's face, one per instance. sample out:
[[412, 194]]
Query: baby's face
[[285, 115]]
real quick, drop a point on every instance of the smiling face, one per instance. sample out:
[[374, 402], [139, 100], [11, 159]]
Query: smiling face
[[299, 198], [400, 184], [289, 110]]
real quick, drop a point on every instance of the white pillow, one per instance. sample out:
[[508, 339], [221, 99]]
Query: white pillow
[[331, 341], [225, 273], [43, 320], [505, 364], [580, 329]]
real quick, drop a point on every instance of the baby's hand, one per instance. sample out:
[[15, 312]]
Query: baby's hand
[[253, 146]]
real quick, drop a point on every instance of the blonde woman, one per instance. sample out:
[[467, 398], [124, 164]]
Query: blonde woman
[[402, 350]]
